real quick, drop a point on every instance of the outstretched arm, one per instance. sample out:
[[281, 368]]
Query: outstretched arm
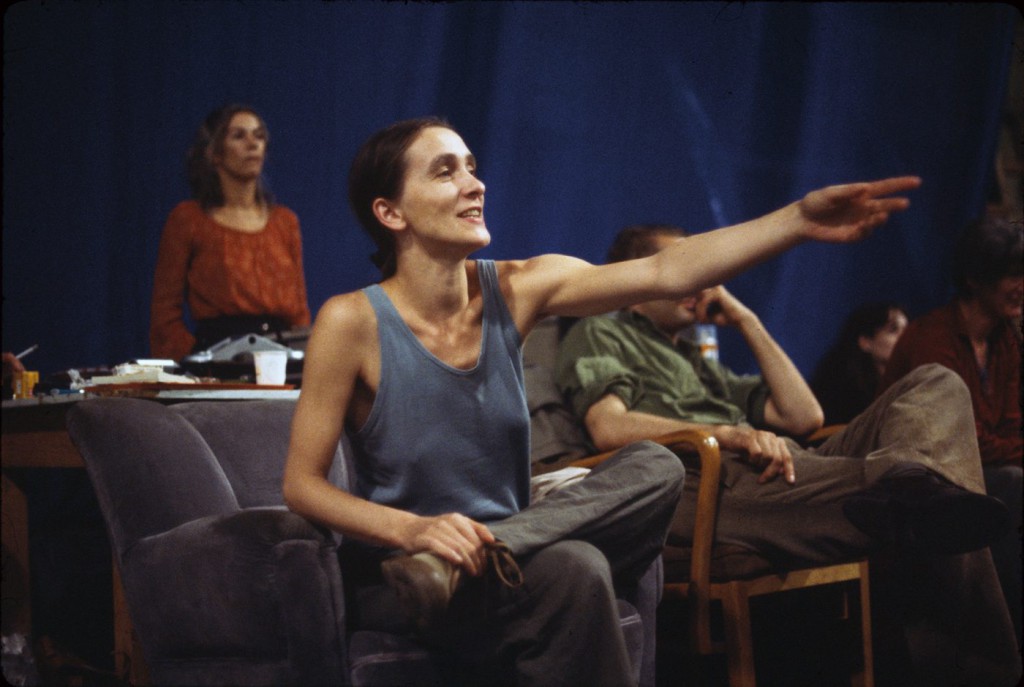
[[558, 285]]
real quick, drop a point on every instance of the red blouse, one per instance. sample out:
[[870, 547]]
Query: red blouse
[[222, 271], [940, 337]]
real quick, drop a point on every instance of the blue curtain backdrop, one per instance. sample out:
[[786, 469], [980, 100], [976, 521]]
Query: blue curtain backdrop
[[584, 116]]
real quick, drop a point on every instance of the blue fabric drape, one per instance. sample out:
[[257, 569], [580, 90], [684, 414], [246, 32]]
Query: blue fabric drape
[[584, 117]]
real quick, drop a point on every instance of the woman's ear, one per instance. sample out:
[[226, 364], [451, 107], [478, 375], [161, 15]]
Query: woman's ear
[[388, 215]]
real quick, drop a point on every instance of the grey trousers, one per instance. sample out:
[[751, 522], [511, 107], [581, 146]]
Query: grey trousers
[[952, 613], [574, 547]]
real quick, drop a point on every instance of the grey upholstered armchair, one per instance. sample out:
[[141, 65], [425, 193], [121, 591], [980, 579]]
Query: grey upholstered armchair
[[223, 584]]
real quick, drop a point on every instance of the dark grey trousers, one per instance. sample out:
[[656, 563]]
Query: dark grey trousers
[[575, 548], [562, 627]]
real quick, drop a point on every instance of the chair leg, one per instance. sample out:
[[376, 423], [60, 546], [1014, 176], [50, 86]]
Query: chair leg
[[128, 661], [867, 677], [739, 644]]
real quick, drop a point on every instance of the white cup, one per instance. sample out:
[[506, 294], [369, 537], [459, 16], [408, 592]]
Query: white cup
[[270, 367]]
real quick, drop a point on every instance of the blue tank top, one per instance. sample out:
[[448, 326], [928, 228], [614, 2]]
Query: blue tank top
[[440, 439]]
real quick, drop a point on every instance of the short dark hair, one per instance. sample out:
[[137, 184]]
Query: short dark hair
[[988, 250], [638, 241], [207, 143], [378, 171]]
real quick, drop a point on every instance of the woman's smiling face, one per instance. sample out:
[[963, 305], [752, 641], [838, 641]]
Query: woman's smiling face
[[442, 199]]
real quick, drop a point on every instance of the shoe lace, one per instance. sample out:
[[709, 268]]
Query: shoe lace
[[504, 564]]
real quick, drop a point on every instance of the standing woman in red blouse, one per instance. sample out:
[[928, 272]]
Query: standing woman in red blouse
[[230, 252]]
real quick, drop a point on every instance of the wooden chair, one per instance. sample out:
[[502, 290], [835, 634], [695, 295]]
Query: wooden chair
[[735, 594], [564, 444]]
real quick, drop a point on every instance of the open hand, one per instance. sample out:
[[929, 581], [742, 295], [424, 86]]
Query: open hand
[[849, 212]]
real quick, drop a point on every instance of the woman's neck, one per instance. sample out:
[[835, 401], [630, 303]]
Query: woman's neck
[[239, 194], [432, 289], [242, 210]]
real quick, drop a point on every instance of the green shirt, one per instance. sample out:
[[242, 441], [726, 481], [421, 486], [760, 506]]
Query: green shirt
[[624, 354]]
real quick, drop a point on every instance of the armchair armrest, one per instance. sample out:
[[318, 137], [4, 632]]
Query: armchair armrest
[[262, 583]]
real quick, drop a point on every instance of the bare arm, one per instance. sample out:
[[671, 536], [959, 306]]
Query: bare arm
[[331, 373], [558, 285], [792, 406], [611, 425]]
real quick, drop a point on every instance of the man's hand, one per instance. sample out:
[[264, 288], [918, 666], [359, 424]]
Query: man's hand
[[849, 212], [451, 536], [761, 448], [719, 307]]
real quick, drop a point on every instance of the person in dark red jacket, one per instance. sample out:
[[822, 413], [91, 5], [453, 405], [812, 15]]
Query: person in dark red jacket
[[978, 336]]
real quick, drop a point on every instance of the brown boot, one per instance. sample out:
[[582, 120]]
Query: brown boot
[[425, 582]]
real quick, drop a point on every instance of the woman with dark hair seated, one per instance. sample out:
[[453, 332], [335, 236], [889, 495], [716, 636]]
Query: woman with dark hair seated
[[232, 253], [846, 380]]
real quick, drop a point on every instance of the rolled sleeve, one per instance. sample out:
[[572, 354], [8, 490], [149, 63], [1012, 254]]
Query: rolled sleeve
[[597, 376]]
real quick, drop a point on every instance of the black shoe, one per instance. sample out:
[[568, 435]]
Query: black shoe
[[918, 509]]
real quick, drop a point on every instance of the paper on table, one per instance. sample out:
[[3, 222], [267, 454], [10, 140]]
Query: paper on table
[[128, 373]]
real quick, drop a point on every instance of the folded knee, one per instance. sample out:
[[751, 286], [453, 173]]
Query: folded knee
[[578, 563], [661, 464], [938, 375]]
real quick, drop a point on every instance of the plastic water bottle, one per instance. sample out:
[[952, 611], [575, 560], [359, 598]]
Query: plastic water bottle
[[707, 340]]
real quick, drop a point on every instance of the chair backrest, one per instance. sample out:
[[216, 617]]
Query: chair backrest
[[556, 436], [155, 467], [151, 469], [250, 441]]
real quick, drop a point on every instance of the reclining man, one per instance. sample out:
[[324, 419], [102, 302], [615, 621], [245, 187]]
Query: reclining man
[[903, 476]]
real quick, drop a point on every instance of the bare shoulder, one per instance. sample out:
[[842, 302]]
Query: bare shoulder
[[534, 285], [540, 271], [344, 319]]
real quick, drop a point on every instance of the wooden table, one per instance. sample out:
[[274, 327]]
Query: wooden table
[[35, 437]]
